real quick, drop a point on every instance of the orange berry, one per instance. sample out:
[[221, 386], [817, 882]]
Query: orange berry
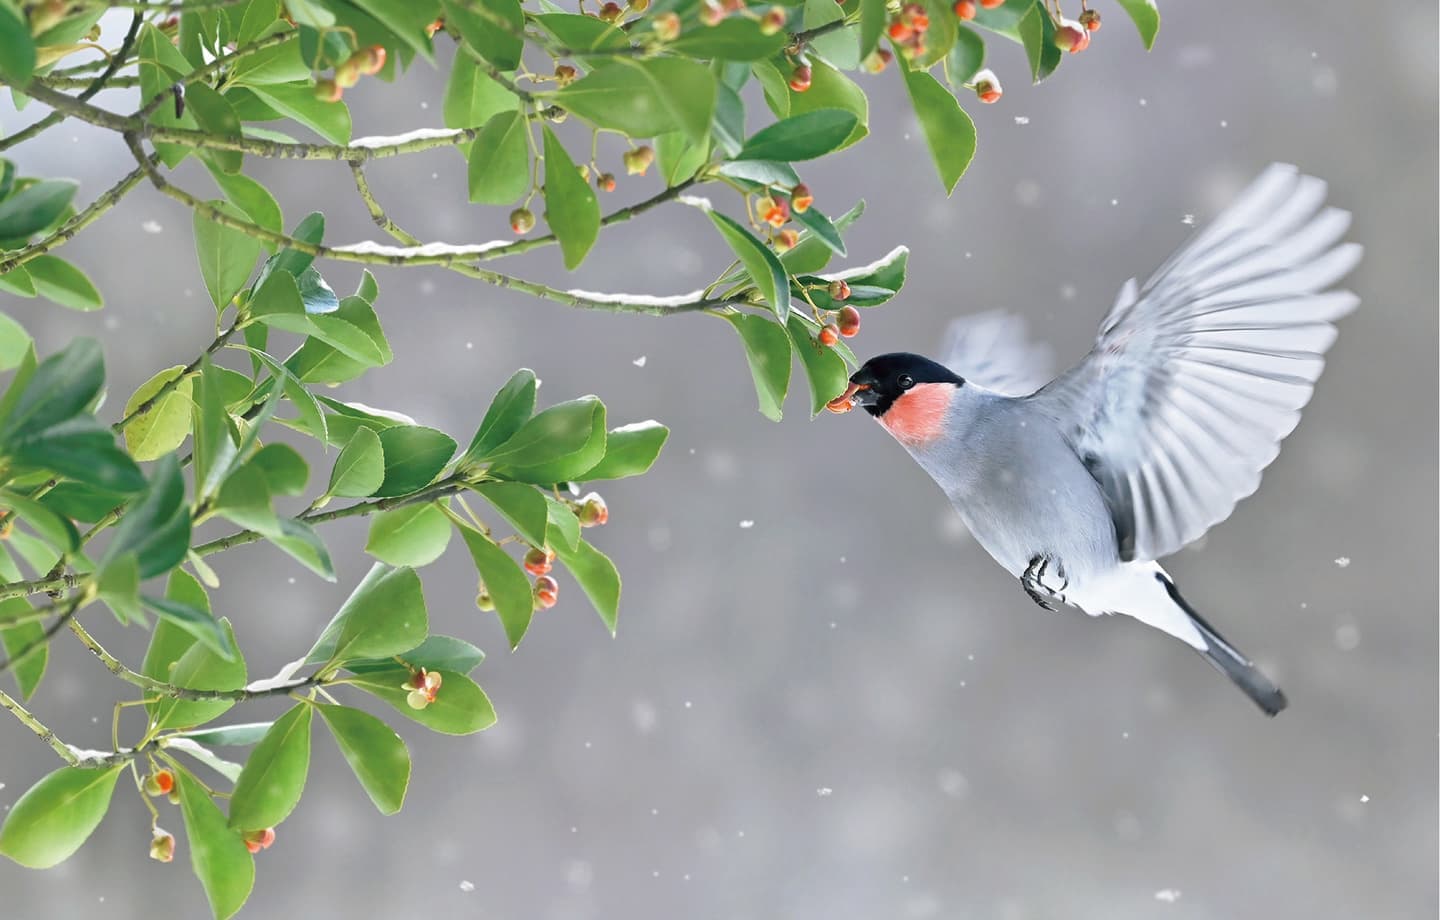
[[878, 60], [348, 73], [773, 21], [593, 511], [638, 160], [774, 211], [786, 240], [801, 199], [537, 561], [611, 12], [800, 78], [327, 90], [848, 322], [901, 31], [547, 592], [565, 74], [606, 182], [522, 221], [255, 841], [987, 86], [162, 846], [712, 14], [372, 59], [829, 335], [1071, 36], [434, 27], [1090, 19], [667, 26], [160, 782], [965, 9], [991, 4], [839, 290]]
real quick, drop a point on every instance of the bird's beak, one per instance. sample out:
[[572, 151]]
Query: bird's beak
[[856, 394]]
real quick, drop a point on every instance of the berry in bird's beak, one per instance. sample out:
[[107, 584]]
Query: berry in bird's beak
[[846, 401]]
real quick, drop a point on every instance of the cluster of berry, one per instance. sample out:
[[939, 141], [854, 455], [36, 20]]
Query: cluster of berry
[[592, 512], [162, 842], [365, 62]]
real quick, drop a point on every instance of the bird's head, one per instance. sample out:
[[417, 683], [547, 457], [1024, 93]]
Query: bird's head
[[908, 394]]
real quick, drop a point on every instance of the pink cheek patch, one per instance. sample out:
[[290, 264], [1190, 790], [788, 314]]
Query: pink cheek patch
[[918, 416]]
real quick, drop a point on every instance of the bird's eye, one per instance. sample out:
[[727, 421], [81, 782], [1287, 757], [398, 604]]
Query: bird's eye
[[905, 381]]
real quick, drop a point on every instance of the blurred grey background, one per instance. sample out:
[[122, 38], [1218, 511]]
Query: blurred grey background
[[845, 709]]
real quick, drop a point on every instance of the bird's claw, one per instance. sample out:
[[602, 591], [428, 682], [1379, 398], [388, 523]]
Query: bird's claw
[[1033, 582]]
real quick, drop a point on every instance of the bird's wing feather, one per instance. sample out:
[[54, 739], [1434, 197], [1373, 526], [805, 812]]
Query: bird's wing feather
[[993, 350], [1197, 376]]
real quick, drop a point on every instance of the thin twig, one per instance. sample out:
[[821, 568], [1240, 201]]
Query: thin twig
[[39, 728], [67, 231], [170, 385], [65, 617]]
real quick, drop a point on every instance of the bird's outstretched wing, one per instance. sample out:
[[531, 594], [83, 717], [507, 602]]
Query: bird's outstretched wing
[[1196, 377], [993, 350]]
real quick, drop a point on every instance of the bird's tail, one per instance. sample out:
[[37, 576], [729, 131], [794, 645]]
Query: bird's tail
[[1227, 659]]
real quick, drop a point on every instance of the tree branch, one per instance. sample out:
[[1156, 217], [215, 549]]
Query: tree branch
[[39, 728], [67, 231], [170, 385]]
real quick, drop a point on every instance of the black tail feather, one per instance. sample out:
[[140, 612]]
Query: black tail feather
[[1228, 661]]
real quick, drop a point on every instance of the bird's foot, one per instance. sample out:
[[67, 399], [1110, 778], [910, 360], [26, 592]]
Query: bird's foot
[[1033, 581]]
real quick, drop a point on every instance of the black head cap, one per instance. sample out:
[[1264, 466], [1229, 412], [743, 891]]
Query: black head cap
[[884, 378]]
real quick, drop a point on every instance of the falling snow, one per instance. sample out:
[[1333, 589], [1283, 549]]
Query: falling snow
[[1022, 119], [824, 792], [151, 226], [1343, 561], [746, 525], [639, 362], [1188, 220], [1168, 895], [467, 886]]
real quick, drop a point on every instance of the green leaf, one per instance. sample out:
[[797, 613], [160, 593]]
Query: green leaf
[[965, 59], [733, 39], [677, 158], [315, 295], [581, 33], [437, 653], [30, 669], [169, 642], [162, 66], [56, 815], [873, 19], [292, 261], [509, 410], [118, 585], [596, 575], [59, 281], [35, 207], [729, 126], [82, 502], [215, 449], [495, 44], [461, 708], [384, 615], [472, 98], [504, 581], [18, 282], [940, 37], [157, 526], [813, 254], [253, 199], [217, 854], [242, 734], [767, 349], [274, 776], [198, 623], [829, 89], [949, 132], [562, 431], [61, 387], [630, 450], [1146, 18], [824, 369], [645, 98], [17, 50], [227, 256], [300, 541], [167, 424], [800, 137], [360, 468], [840, 47], [561, 524], [522, 505], [54, 529], [414, 456], [760, 263], [820, 229], [500, 160], [330, 120], [199, 668], [216, 117], [378, 757], [870, 285], [406, 19], [1031, 31], [81, 449], [570, 206], [413, 535], [760, 172], [562, 466], [285, 470], [273, 65]]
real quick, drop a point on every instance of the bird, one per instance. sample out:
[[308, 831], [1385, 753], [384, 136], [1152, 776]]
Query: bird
[[1078, 486]]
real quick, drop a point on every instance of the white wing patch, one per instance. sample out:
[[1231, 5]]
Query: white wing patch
[[1196, 377], [993, 350]]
